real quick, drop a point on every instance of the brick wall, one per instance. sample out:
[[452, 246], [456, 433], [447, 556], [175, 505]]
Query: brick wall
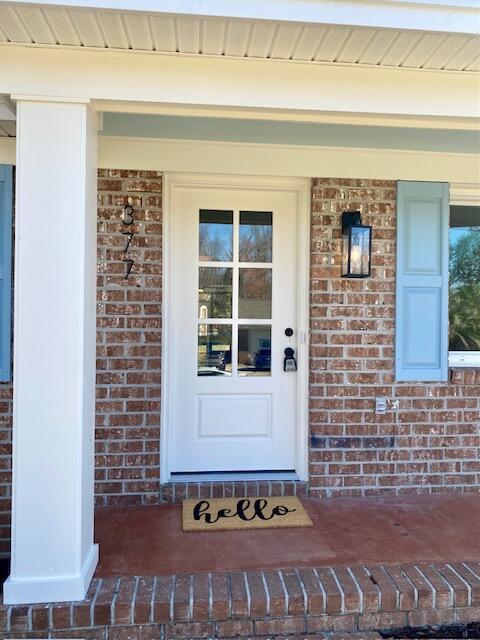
[[129, 338], [431, 442]]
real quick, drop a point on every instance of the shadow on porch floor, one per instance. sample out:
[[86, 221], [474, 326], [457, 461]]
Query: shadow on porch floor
[[149, 540]]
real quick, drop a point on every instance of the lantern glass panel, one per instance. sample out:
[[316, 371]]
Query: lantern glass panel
[[356, 251]]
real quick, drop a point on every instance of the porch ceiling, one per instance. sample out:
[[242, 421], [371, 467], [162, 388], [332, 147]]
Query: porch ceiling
[[90, 27]]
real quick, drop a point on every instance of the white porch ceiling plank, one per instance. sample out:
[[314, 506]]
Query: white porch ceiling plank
[[448, 49], [236, 38], [12, 27], [87, 28], [308, 43], [475, 64], [332, 44], [400, 49], [61, 26], [261, 39], [463, 58], [163, 32], [452, 16], [188, 34], [355, 45], [377, 46], [138, 31], [213, 37], [35, 24], [112, 29], [285, 40], [426, 46]]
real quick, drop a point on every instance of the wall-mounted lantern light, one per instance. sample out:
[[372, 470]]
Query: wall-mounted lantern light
[[356, 246]]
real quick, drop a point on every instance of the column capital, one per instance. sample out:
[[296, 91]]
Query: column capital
[[26, 97], [18, 98]]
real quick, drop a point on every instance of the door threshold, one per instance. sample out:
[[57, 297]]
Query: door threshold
[[239, 476]]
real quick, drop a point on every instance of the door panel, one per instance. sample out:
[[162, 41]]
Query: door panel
[[234, 255]]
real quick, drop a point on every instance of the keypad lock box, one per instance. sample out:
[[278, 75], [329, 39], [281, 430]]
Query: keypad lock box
[[289, 362]]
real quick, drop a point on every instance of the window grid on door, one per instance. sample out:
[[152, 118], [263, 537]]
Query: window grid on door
[[221, 239]]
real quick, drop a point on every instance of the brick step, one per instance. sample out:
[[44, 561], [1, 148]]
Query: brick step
[[249, 604], [334, 635]]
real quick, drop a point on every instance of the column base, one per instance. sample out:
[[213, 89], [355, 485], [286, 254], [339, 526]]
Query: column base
[[36, 590]]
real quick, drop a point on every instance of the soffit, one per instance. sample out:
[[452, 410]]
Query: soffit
[[234, 37]]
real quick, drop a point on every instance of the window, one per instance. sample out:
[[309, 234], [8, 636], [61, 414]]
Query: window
[[464, 286]]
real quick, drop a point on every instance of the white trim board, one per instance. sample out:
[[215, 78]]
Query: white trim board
[[301, 187], [259, 83], [284, 160]]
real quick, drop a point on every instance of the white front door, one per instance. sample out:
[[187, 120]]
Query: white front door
[[234, 261]]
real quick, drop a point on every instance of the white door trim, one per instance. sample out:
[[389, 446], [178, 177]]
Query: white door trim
[[301, 187]]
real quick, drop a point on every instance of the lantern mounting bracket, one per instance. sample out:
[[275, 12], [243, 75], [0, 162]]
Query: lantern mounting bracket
[[350, 219]]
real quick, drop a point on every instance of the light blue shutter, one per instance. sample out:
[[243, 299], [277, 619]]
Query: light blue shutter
[[6, 207], [421, 350]]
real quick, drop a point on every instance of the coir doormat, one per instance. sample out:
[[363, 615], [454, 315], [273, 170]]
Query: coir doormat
[[225, 514]]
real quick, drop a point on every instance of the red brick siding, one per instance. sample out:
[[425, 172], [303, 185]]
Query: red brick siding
[[129, 339], [431, 442]]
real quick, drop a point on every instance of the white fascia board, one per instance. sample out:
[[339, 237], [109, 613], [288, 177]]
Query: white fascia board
[[257, 84], [462, 16]]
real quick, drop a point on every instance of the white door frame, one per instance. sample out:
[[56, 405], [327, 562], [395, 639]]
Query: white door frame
[[301, 187]]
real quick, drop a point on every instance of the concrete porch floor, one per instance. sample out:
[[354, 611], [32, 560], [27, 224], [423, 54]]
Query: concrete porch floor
[[149, 540], [403, 566]]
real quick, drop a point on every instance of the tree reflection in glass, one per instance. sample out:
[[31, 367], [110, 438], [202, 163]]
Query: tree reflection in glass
[[214, 292], [255, 236], [216, 235], [464, 291]]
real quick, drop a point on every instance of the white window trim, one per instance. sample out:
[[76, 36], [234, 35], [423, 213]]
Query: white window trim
[[458, 359], [464, 194]]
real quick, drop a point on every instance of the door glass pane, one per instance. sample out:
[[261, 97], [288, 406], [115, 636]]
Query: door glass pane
[[255, 236], [216, 235], [255, 293], [254, 350], [214, 350], [214, 292]]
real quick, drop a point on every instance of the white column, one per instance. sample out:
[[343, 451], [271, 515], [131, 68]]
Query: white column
[[53, 554]]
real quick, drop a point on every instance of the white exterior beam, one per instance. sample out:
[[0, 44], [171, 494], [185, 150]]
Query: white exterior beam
[[461, 16], [53, 555], [277, 159], [246, 83]]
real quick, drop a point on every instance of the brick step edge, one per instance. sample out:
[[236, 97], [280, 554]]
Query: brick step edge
[[174, 492], [304, 600], [151, 632]]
